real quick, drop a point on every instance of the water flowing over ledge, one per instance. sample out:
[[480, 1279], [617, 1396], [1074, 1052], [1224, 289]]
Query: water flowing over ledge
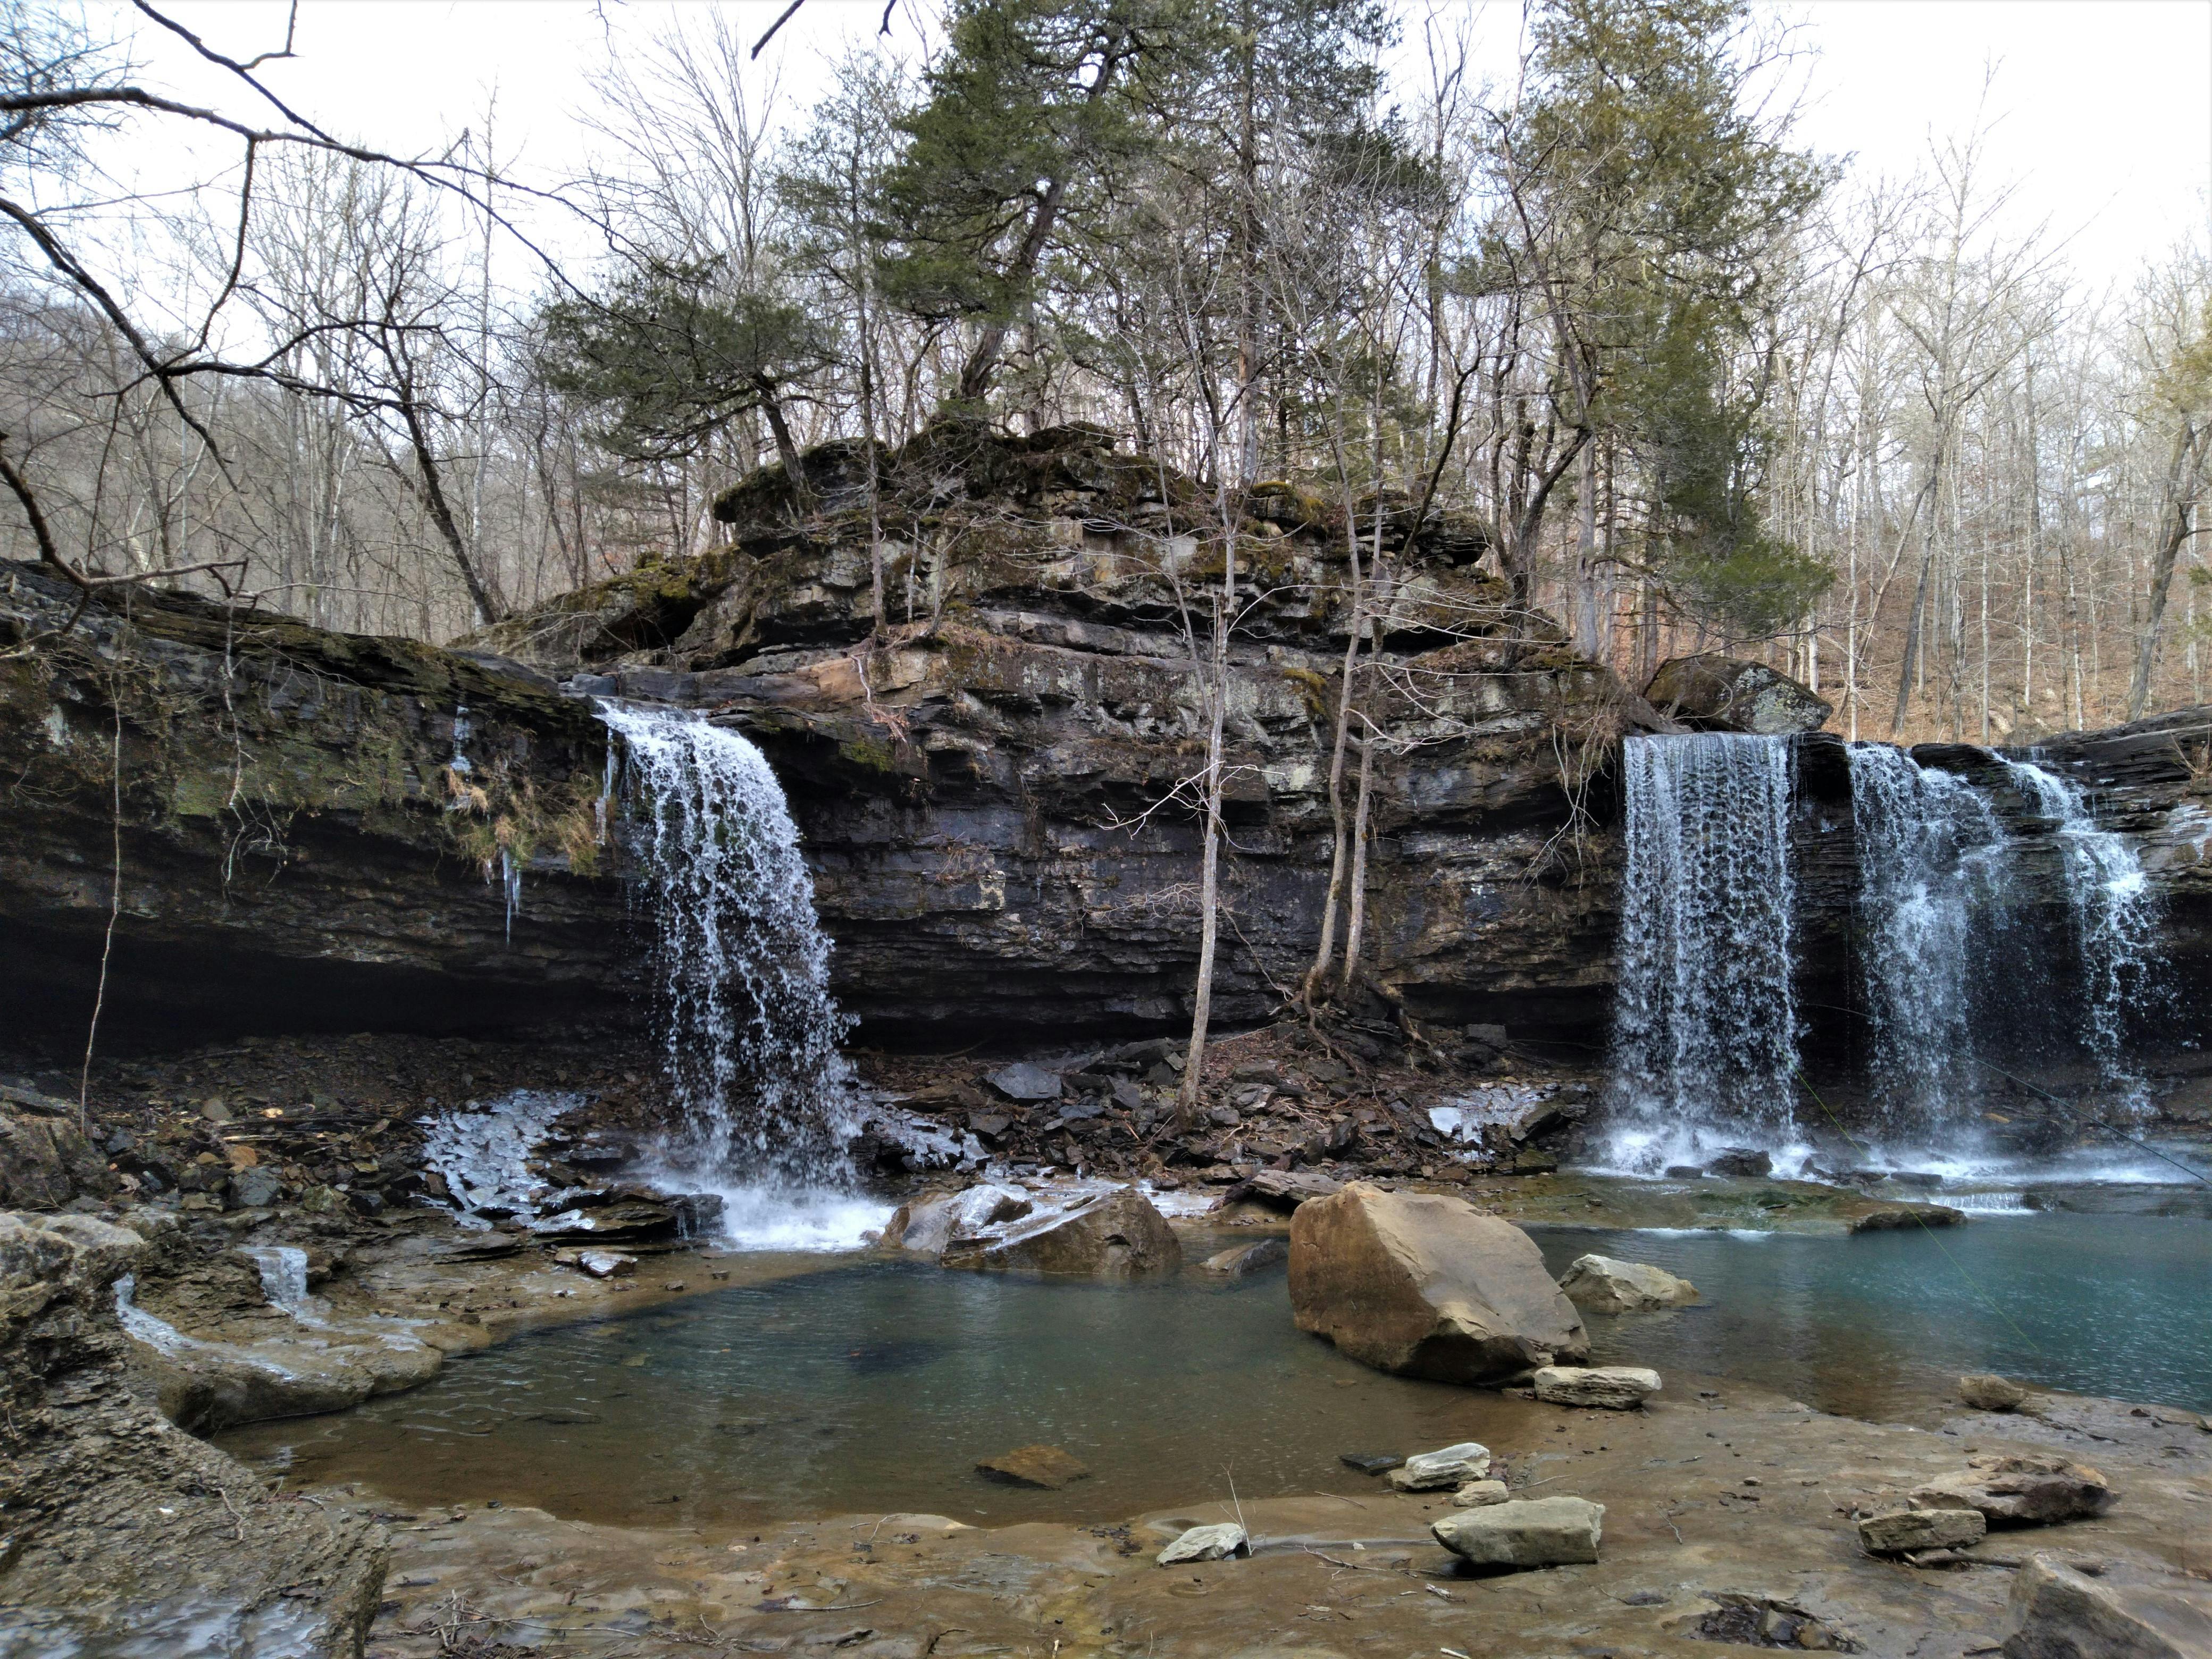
[[750, 1032], [1947, 957]]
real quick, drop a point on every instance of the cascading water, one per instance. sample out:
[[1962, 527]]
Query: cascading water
[[752, 1033], [2112, 916], [1925, 840], [1704, 1019]]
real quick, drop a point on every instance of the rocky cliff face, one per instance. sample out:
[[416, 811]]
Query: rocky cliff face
[[310, 829], [989, 790], [994, 786]]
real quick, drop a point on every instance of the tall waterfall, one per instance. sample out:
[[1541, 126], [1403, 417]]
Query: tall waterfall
[[1705, 1021], [2112, 911], [751, 1033], [1926, 842]]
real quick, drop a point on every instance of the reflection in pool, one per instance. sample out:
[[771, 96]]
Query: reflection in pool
[[879, 1386]]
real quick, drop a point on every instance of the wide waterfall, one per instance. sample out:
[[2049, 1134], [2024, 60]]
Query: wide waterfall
[[750, 1032], [1704, 1019], [1927, 844], [1957, 983]]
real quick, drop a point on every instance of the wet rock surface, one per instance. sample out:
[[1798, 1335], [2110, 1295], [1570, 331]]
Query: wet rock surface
[[1689, 1554], [1428, 1286], [1540, 1532], [124, 1533], [2020, 1492], [2062, 1610], [1598, 1284]]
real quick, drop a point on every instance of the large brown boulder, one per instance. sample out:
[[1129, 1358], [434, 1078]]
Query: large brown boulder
[[1713, 693], [1426, 1285]]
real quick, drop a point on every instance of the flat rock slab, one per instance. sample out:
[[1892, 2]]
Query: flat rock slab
[[1453, 1466], [1244, 1259], [1024, 1082], [1481, 1495], [1049, 1467], [1610, 1388], [1599, 1284], [1426, 1285], [1542, 1532], [1214, 1543], [1370, 1462], [2019, 1492], [1900, 1530], [2058, 1612]]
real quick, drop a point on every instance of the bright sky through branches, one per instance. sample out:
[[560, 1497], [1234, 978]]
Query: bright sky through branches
[[2103, 109]]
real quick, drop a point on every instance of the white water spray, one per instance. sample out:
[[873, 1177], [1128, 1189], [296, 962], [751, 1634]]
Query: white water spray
[[1925, 840], [1704, 1019], [750, 1031], [2110, 902]]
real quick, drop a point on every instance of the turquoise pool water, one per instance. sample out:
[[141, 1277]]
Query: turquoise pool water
[[878, 1386]]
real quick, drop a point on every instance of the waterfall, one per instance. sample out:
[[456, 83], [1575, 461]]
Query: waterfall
[[751, 1033], [2110, 904], [1925, 841], [1705, 1021]]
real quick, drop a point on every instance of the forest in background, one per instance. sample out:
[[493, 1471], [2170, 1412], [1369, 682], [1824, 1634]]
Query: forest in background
[[1704, 388]]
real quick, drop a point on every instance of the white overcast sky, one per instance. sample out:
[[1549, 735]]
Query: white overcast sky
[[2102, 108]]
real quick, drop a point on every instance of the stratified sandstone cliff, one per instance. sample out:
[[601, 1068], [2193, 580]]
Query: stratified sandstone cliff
[[984, 785], [305, 824], [985, 788]]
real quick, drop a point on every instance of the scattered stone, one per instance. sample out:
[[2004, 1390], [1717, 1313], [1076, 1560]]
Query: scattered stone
[[1611, 1388], [2033, 1491], [1743, 1161], [1113, 1232], [1599, 1284], [1047, 1467], [215, 1110], [1481, 1495], [1214, 1543], [1685, 1171], [1985, 1392], [1454, 1465], [255, 1188], [606, 1264], [1542, 1532], [44, 1161], [1900, 1530], [1760, 1621], [1424, 1285], [1370, 1462], [1236, 1262], [2060, 1613], [1024, 1082], [1285, 1189]]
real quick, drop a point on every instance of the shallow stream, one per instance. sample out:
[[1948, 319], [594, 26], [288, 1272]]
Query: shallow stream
[[876, 1385]]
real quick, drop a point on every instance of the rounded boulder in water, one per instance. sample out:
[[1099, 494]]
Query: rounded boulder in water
[[1599, 1284], [1425, 1285]]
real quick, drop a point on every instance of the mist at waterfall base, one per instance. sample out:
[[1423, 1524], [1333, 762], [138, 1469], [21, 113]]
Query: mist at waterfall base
[[750, 1033], [1955, 981]]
